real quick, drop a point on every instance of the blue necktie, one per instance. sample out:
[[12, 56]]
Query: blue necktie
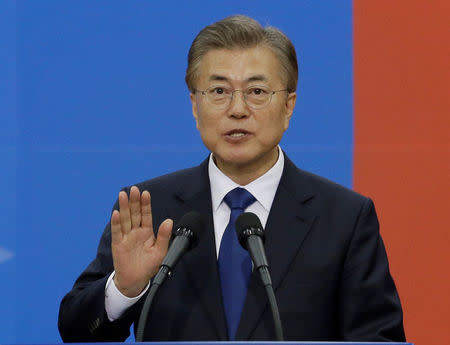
[[235, 265]]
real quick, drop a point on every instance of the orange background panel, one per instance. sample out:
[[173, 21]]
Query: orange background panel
[[402, 149]]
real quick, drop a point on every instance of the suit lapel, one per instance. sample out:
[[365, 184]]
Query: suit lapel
[[287, 225], [201, 261]]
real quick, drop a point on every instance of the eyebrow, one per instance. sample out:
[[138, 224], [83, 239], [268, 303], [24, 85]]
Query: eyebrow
[[257, 77]]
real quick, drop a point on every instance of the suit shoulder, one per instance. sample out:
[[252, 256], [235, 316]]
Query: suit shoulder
[[310, 183]]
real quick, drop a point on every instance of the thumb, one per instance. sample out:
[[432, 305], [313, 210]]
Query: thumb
[[163, 236]]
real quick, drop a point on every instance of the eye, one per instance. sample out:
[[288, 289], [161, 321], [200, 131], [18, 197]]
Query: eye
[[257, 91], [217, 90]]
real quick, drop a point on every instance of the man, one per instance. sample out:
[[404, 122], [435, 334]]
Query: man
[[329, 267]]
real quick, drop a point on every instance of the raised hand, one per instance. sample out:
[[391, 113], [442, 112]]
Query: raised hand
[[136, 252]]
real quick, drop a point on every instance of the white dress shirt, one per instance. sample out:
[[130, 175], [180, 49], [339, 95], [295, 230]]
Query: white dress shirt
[[263, 189]]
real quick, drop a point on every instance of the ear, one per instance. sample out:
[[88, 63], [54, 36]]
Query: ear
[[289, 108], [194, 107]]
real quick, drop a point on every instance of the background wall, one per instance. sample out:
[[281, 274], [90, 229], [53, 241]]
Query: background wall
[[402, 149], [92, 98]]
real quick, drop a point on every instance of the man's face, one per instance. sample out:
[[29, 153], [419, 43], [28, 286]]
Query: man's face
[[241, 138]]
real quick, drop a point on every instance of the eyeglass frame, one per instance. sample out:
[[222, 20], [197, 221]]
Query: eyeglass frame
[[244, 94]]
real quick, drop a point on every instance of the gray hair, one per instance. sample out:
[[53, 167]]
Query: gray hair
[[241, 32]]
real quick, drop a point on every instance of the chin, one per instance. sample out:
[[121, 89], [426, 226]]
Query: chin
[[242, 161], [233, 158]]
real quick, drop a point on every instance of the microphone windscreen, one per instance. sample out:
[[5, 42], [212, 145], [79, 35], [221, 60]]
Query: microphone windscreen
[[248, 224], [193, 222]]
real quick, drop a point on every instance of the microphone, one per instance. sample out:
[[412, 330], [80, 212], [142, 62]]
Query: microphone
[[250, 234], [184, 237]]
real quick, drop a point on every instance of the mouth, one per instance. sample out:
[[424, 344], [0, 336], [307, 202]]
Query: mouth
[[236, 135]]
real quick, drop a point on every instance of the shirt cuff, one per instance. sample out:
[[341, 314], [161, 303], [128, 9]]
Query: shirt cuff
[[115, 302]]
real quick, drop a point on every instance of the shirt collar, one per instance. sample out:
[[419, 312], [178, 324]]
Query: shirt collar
[[263, 188]]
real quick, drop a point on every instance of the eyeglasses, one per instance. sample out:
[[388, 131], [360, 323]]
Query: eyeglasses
[[255, 97]]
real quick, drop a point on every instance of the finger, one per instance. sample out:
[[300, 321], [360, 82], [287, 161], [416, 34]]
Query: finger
[[116, 234], [135, 207], [163, 237], [146, 212], [125, 221]]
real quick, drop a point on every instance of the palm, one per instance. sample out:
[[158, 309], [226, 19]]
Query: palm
[[136, 252]]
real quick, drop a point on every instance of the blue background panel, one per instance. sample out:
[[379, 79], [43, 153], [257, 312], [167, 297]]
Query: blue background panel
[[93, 98]]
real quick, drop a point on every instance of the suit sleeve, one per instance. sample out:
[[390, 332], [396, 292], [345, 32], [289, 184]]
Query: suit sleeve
[[369, 306], [82, 315]]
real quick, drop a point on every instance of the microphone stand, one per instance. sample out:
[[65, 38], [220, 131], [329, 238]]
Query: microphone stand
[[250, 234], [184, 238], [267, 282], [160, 277]]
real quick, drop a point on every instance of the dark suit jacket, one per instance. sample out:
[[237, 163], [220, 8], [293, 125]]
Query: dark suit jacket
[[328, 264]]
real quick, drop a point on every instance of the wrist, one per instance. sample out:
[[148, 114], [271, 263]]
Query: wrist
[[130, 292]]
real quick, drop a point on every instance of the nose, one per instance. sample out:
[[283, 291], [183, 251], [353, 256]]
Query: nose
[[238, 108]]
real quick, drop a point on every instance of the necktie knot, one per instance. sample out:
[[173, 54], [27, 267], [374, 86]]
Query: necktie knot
[[239, 198]]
